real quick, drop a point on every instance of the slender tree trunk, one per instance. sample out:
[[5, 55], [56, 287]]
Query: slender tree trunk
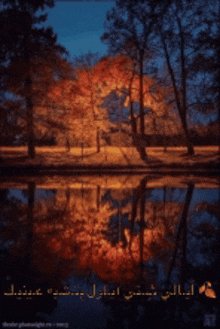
[[142, 125], [67, 144], [120, 221], [190, 148], [137, 140], [184, 253], [142, 224], [136, 197], [182, 108], [30, 120], [184, 89], [133, 124], [29, 99], [98, 144], [181, 227]]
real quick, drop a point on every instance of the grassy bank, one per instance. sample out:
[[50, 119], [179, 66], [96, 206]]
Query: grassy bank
[[206, 158]]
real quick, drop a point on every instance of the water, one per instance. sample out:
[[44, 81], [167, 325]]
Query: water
[[127, 235]]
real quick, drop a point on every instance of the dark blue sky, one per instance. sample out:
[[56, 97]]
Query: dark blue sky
[[79, 25]]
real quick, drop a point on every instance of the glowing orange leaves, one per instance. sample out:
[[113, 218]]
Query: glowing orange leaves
[[81, 103], [121, 75], [115, 74], [64, 95]]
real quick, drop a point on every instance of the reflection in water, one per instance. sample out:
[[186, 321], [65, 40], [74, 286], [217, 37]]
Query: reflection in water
[[132, 237]]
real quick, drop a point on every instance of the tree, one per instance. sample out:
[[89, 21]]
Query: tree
[[120, 89], [128, 26], [61, 110], [180, 34], [89, 79], [81, 104], [31, 59], [78, 104], [179, 31], [120, 85], [205, 66]]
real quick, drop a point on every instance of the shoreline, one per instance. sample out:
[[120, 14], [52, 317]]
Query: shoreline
[[66, 169], [111, 160]]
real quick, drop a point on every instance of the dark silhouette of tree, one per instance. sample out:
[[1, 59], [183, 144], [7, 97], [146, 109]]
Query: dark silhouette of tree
[[30, 58], [184, 35], [206, 62], [186, 31], [128, 26], [182, 231]]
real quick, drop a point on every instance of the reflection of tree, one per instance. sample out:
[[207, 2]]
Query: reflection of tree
[[182, 230], [205, 236], [116, 252], [17, 260], [29, 259], [73, 233], [113, 236]]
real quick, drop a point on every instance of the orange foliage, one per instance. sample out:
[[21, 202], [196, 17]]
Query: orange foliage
[[80, 102], [119, 74], [83, 239], [64, 94]]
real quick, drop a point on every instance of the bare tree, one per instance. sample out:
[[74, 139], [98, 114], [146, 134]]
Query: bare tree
[[128, 26], [179, 31]]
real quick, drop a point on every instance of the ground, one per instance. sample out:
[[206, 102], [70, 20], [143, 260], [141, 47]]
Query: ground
[[206, 158]]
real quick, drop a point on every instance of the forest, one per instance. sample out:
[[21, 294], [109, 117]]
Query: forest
[[158, 85]]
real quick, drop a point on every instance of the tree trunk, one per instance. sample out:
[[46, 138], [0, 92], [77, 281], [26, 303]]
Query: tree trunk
[[181, 227], [142, 224], [30, 121], [184, 89], [29, 99], [67, 144], [136, 197], [190, 148], [182, 108], [184, 228], [133, 125], [142, 128]]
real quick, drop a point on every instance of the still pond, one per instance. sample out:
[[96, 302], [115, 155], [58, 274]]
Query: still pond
[[109, 251]]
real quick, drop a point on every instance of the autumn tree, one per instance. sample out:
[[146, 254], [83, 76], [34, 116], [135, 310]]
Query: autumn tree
[[95, 237], [31, 59], [78, 104], [84, 101], [88, 80], [120, 85], [128, 26], [59, 110]]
